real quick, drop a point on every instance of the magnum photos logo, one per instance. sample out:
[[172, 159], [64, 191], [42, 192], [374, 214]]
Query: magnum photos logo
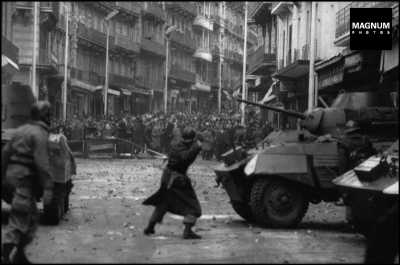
[[370, 28]]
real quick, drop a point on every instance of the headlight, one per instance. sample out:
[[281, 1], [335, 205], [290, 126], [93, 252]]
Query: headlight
[[251, 166]]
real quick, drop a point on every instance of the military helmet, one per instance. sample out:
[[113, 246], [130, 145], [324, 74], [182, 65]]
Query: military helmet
[[188, 134], [40, 111]]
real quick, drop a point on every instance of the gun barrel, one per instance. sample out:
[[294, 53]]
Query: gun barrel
[[288, 112]]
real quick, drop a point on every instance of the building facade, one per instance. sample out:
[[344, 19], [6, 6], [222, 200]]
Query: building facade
[[206, 49], [336, 67]]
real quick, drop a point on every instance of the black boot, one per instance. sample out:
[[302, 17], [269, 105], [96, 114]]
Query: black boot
[[20, 257], [149, 229], [188, 233], [6, 252]]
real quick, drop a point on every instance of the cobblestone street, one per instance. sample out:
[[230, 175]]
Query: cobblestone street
[[106, 221]]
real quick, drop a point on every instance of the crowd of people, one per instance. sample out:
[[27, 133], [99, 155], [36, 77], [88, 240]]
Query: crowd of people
[[157, 131]]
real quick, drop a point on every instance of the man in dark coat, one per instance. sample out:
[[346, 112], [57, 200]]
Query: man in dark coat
[[176, 193], [26, 170]]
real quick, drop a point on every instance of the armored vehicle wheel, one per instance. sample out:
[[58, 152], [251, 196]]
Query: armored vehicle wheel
[[243, 210], [277, 203]]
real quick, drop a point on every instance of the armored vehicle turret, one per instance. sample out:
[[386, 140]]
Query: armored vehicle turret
[[274, 185]]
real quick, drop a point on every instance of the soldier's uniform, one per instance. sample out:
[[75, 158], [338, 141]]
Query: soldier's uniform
[[27, 168], [176, 193]]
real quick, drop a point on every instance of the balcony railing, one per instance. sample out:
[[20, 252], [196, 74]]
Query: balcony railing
[[96, 79], [93, 36], [343, 15], [126, 44], [139, 80], [130, 7], [9, 49], [148, 44], [178, 72], [154, 10], [259, 57], [186, 7], [233, 55], [122, 81], [80, 74], [45, 59], [183, 39]]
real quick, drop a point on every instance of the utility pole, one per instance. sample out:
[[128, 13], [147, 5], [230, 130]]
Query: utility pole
[[165, 94], [244, 89], [311, 80], [35, 49], [106, 77], [64, 95], [107, 19]]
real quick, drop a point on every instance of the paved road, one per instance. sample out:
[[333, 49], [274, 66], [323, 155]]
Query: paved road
[[106, 221]]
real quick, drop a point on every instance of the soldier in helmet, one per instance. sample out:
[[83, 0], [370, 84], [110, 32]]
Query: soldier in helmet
[[176, 193], [26, 165]]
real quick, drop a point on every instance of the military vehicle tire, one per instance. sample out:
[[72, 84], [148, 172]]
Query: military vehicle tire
[[277, 203], [243, 210]]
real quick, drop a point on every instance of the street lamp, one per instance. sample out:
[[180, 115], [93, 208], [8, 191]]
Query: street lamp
[[167, 33], [107, 20]]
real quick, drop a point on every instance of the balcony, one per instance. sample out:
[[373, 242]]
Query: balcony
[[152, 46], [154, 10], [9, 49], [203, 54], [233, 56], [202, 21], [182, 7], [201, 85], [132, 8], [260, 62], [93, 36], [139, 81], [177, 72], [121, 81], [280, 8], [126, 44], [96, 79], [47, 61], [342, 32], [183, 39], [79, 74]]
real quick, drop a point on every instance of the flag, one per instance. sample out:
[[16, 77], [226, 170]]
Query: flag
[[268, 97]]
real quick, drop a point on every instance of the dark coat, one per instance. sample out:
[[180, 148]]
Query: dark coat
[[176, 189]]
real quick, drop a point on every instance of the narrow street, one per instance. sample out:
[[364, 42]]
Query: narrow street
[[106, 221]]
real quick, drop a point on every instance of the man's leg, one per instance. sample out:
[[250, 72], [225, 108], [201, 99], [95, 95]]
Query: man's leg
[[156, 217], [23, 222], [189, 221]]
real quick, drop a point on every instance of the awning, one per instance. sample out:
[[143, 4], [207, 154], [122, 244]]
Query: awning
[[110, 90], [330, 71], [293, 71], [78, 83], [126, 91], [7, 61]]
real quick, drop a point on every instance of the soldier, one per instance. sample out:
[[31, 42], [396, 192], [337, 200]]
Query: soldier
[[176, 193], [26, 164]]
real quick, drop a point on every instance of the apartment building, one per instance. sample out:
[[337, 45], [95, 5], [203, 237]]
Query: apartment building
[[209, 34], [284, 29], [9, 51]]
